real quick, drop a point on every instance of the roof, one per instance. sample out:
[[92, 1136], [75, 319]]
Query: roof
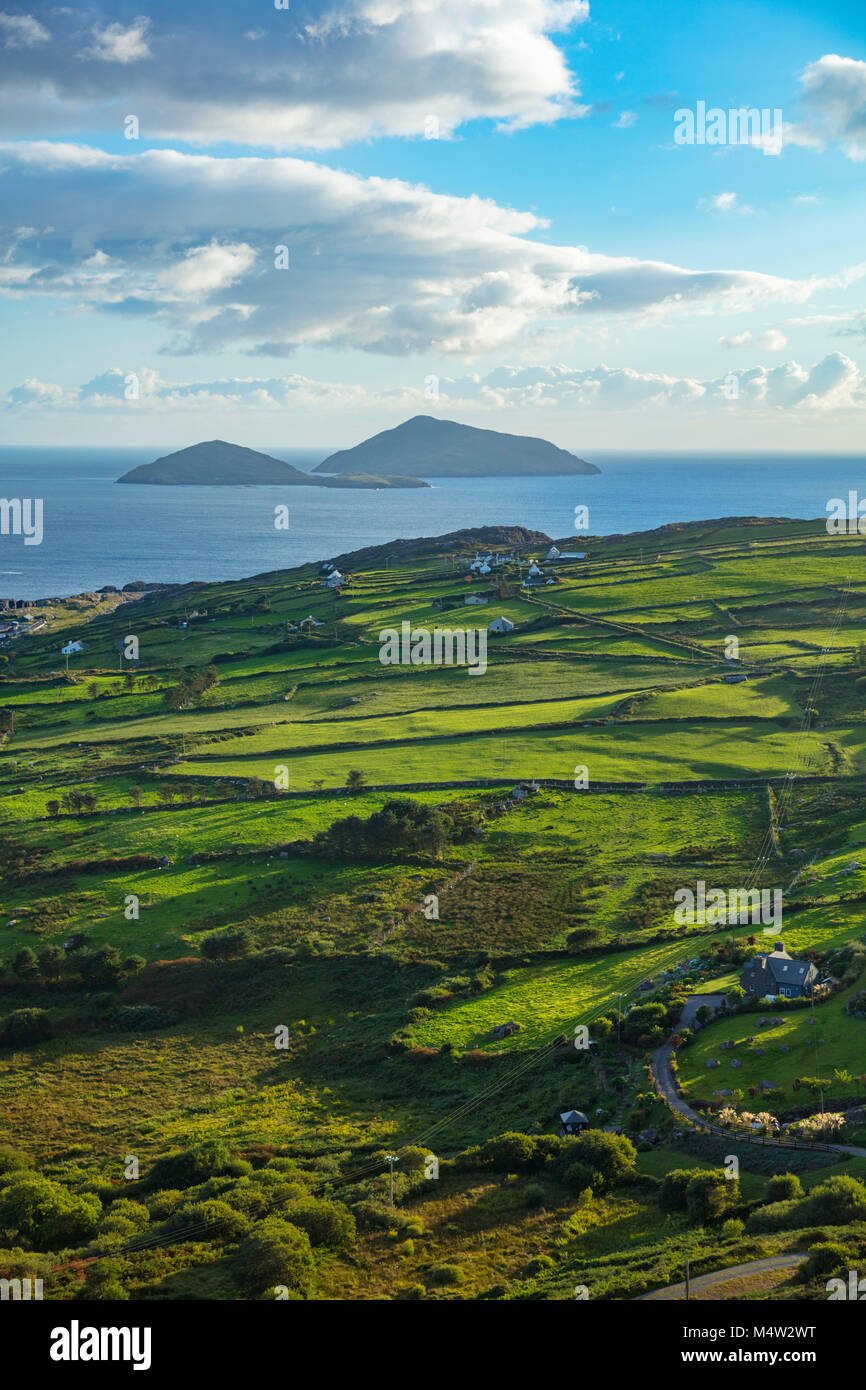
[[573, 1117], [781, 968]]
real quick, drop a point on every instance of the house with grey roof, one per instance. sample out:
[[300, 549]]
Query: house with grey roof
[[775, 972]]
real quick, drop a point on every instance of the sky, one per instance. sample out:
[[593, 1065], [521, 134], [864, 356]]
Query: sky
[[296, 226]]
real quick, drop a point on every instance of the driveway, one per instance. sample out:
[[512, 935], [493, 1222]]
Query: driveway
[[666, 1088]]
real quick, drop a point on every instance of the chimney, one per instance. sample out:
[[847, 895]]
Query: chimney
[[778, 946]]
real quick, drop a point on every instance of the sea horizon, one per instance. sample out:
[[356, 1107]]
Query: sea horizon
[[98, 534]]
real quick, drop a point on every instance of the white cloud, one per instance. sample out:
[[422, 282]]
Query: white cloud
[[834, 105], [725, 202], [626, 119], [832, 385], [376, 264], [112, 43], [325, 72], [22, 30]]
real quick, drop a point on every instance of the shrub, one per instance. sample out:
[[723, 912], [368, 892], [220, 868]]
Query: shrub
[[732, 1229], [12, 1160], [784, 1187], [326, 1223], [825, 1259], [209, 1220], [533, 1194], [191, 1166], [26, 1026], [138, 1018], [446, 1274], [275, 1253], [44, 1214]]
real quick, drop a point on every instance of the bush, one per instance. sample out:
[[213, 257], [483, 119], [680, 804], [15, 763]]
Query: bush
[[13, 1160], [26, 1026], [326, 1223], [191, 1166], [709, 1195], [732, 1229], [825, 1259], [209, 1220], [533, 1194], [784, 1187], [610, 1158], [446, 1274], [276, 1253], [44, 1214]]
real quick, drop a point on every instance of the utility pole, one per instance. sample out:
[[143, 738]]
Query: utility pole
[[619, 999], [391, 1159], [687, 1281]]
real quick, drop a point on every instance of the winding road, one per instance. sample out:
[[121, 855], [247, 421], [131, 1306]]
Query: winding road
[[723, 1276], [665, 1085]]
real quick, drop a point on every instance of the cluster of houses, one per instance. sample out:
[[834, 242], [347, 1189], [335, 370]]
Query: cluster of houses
[[332, 578], [10, 628]]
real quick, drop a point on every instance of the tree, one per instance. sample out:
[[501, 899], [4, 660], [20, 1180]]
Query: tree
[[784, 1187], [356, 781], [135, 795], [89, 802], [276, 1253], [228, 945], [102, 969], [166, 794], [611, 1157], [51, 962], [710, 1194], [326, 1223], [71, 801], [44, 1214], [25, 964], [25, 1026], [53, 807]]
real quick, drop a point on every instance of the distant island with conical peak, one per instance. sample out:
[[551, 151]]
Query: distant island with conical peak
[[216, 463], [427, 447]]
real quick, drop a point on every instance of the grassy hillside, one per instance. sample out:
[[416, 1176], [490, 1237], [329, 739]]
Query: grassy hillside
[[194, 855]]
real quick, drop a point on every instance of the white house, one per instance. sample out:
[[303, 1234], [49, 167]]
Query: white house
[[474, 598], [71, 648], [500, 625], [553, 553], [334, 580], [533, 568]]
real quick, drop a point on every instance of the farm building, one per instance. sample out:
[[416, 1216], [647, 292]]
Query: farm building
[[504, 1030], [474, 598], [572, 1122], [775, 972], [500, 624]]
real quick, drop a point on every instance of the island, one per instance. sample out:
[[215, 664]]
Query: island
[[216, 463], [426, 447]]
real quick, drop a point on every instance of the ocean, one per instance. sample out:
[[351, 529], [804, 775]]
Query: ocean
[[96, 533]]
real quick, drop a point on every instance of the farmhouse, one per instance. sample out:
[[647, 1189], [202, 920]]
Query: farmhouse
[[474, 598], [572, 1122], [500, 625], [71, 648], [775, 972], [504, 1030]]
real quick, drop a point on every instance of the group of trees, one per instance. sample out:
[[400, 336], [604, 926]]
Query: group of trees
[[401, 826], [100, 969], [192, 687]]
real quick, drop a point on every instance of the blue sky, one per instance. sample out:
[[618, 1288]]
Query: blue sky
[[551, 262]]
